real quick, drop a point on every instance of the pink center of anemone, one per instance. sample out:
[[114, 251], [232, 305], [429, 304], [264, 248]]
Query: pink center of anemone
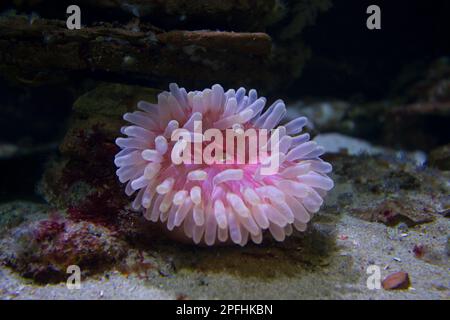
[[215, 201]]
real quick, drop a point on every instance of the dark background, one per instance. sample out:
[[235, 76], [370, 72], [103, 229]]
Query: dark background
[[348, 59]]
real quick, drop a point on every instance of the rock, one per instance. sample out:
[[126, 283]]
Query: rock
[[302, 14], [244, 43], [392, 212], [433, 83], [396, 281], [336, 143], [42, 250], [386, 189], [327, 115], [415, 122], [147, 47], [420, 125], [86, 172], [242, 14], [12, 214], [421, 121], [100, 112], [189, 57], [83, 181], [427, 108], [440, 157]]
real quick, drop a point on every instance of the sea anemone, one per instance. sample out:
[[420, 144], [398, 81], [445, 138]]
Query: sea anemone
[[215, 201]]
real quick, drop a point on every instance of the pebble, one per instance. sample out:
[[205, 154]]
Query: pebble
[[396, 281]]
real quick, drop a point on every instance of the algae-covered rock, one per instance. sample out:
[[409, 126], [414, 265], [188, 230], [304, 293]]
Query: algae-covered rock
[[12, 214], [395, 211], [112, 100], [43, 250], [389, 190], [88, 148], [99, 112], [84, 175]]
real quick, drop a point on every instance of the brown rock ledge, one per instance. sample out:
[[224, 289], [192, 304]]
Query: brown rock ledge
[[190, 57]]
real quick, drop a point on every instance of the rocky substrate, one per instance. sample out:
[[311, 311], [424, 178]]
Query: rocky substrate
[[389, 210], [385, 212]]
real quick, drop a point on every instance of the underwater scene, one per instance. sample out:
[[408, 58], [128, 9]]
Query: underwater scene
[[224, 150]]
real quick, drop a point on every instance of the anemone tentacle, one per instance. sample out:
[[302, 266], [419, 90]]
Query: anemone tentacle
[[218, 202]]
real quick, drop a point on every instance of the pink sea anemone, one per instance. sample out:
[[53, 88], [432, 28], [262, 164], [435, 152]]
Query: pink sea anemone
[[219, 201]]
